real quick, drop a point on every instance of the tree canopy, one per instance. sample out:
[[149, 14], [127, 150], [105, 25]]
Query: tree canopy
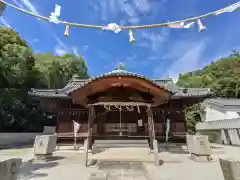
[[20, 70], [222, 76]]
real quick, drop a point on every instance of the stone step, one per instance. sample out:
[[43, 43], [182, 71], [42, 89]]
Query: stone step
[[119, 145], [120, 141]]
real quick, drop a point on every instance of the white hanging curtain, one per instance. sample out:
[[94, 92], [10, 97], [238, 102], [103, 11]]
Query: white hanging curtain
[[76, 127], [168, 125]]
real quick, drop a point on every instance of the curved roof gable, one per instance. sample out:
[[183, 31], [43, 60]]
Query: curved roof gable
[[166, 84], [74, 85]]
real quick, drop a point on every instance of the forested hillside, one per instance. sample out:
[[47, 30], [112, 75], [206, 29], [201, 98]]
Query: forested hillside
[[20, 70], [222, 76]]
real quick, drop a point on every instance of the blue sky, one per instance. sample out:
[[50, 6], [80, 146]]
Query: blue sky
[[156, 52]]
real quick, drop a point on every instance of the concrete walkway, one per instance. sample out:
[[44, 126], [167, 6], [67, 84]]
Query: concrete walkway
[[124, 164]]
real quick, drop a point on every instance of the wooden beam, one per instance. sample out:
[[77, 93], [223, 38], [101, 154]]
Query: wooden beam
[[121, 104]]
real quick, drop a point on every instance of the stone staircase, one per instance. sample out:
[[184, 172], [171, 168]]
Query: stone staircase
[[118, 143]]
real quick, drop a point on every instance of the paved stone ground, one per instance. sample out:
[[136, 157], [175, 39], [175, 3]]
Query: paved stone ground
[[123, 164], [115, 170]]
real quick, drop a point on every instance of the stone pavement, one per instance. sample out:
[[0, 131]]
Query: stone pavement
[[124, 164], [115, 170]]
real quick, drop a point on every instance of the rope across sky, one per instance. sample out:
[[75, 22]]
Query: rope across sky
[[117, 28]]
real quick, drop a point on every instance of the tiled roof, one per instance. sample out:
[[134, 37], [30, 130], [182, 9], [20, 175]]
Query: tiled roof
[[194, 92], [47, 93], [75, 84], [224, 101]]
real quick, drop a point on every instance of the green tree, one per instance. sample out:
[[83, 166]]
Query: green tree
[[222, 76], [58, 70], [20, 70]]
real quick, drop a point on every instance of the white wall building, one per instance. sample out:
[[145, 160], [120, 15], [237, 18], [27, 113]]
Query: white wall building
[[221, 120]]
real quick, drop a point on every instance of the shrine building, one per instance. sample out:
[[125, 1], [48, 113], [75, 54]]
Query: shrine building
[[120, 104]]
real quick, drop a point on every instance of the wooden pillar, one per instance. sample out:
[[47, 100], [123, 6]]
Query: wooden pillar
[[86, 151], [100, 123], [151, 126], [88, 140], [57, 122], [90, 125]]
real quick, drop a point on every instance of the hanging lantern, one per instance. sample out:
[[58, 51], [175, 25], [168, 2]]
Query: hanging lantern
[[201, 27], [66, 33], [2, 8], [131, 38]]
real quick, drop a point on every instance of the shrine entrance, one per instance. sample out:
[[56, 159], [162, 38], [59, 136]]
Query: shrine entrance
[[120, 120], [121, 129], [135, 120]]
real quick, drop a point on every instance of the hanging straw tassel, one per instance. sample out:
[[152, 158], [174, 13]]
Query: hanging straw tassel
[[131, 38], [66, 33], [201, 27]]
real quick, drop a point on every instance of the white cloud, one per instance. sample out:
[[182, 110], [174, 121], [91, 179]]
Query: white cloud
[[29, 6], [152, 40], [35, 40], [18, 3], [5, 23], [85, 48], [61, 48], [142, 5], [60, 51], [134, 20], [26, 4], [128, 10], [189, 60], [101, 54], [75, 51]]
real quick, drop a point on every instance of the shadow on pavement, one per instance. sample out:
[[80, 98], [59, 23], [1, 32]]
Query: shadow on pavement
[[29, 170], [178, 149], [18, 146], [216, 147]]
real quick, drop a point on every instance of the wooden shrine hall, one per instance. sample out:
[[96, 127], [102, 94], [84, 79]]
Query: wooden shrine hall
[[120, 104]]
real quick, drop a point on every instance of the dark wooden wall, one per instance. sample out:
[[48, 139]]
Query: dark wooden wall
[[104, 122]]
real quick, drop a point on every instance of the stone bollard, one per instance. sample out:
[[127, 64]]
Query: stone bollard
[[44, 146], [230, 169], [86, 151], [156, 158], [9, 168], [199, 147]]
